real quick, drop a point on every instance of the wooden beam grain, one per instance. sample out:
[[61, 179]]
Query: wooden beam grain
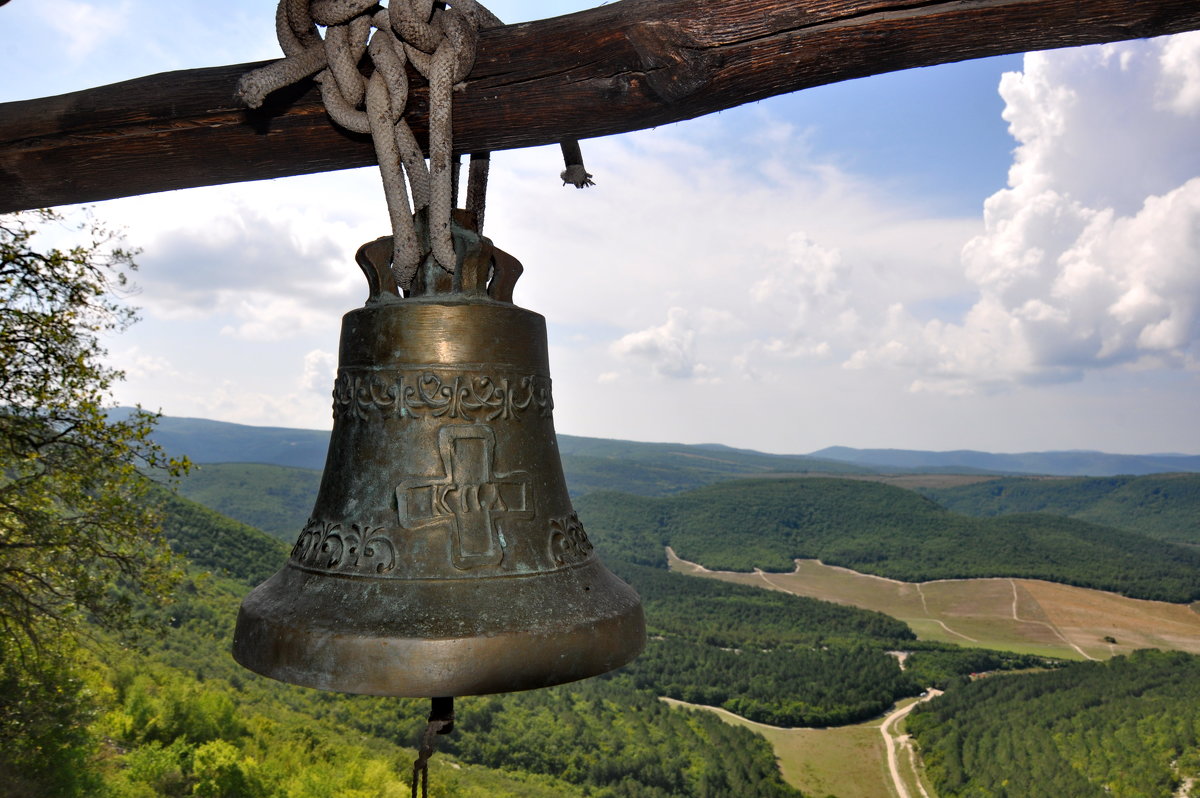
[[624, 66]]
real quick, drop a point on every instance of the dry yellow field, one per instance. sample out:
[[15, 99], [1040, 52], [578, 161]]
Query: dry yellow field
[[1024, 615], [847, 761]]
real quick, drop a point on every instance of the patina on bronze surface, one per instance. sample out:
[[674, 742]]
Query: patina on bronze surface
[[443, 556]]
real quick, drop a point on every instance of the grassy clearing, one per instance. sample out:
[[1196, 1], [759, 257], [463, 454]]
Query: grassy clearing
[[1022, 615], [847, 761]]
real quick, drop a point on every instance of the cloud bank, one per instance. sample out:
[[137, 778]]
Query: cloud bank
[[721, 283], [1088, 260]]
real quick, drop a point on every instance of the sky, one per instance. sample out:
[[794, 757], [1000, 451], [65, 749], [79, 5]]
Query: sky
[[1001, 254]]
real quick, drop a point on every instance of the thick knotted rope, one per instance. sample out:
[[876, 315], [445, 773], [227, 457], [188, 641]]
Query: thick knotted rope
[[438, 39]]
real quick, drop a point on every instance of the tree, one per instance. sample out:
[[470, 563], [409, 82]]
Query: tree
[[78, 540]]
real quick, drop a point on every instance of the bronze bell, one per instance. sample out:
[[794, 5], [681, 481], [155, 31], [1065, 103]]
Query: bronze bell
[[443, 556]]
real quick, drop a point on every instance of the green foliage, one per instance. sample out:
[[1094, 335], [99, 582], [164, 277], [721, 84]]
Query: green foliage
[[939, 664], [45, 709], [737, 616], [874, 528], [828, 686], [183, 719], [1163, 506], [73, 520], [1127, 727], [214, 542], [768, 656], [275, 499], [186, 718], [621, 742], [80, 545]]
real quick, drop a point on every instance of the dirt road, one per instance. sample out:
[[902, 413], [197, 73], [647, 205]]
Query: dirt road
[[902, 741]]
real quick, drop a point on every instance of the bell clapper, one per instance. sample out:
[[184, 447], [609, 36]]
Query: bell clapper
[[441, 721]]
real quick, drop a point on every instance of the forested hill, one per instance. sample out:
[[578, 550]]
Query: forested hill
[[1072, 463], [1164, 506], [276, 499], [883, 530], [218, 544], [1124, 727], [769, 656], [590, 463], [183, 719]]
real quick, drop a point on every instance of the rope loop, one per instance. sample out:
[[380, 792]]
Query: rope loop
[[439, 40]]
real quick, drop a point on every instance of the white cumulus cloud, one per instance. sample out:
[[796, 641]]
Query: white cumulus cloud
[[320, 369], [1088, 258], [668, 348]]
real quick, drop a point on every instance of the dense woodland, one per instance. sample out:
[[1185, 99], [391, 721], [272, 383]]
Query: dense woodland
[[274, 499], [888, 531], [181, 718], [1163, 506], [1127, 727]]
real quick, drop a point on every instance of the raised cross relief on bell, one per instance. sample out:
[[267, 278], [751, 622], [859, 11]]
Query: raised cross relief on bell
[[470, 501], [443, 556]]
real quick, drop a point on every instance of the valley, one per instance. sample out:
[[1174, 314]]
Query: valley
[[803, 615], [861, 760], [1028, 616], [1023, 615]]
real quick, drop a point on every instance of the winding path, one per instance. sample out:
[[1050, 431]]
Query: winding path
[[891, 742], [1046, 624]]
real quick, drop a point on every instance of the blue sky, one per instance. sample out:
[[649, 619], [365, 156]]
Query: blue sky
[[1001, 254]]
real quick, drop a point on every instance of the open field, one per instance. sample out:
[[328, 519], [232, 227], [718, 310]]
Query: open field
[[1023, 615], [846, 761]]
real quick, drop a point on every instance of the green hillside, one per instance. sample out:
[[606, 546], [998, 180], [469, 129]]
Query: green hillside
[[184, 719], [218, 544], [279, 498], [590, 463], [276, 499], [1164, 506], [205, 441], [846, 674], [1126, 727], [1070, 463], [694, 625], [888, 531], [657, 469], [181, 718]]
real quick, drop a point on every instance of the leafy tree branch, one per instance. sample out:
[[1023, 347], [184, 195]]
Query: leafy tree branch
[[78, 537]]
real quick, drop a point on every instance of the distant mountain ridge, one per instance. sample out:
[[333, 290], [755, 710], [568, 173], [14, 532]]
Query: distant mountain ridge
[[206, 441], [648, 469], [1069, 463], [656, 468]]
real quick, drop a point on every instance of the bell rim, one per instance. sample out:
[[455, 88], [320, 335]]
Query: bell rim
[[545, 645]]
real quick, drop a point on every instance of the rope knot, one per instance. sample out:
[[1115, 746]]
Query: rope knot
[[439, 40], [577, 176]]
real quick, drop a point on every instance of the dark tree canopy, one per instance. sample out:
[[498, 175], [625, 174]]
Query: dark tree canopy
[[77, 539]]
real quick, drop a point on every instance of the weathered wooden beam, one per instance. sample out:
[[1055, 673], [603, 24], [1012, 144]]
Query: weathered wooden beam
[[625, 66]]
